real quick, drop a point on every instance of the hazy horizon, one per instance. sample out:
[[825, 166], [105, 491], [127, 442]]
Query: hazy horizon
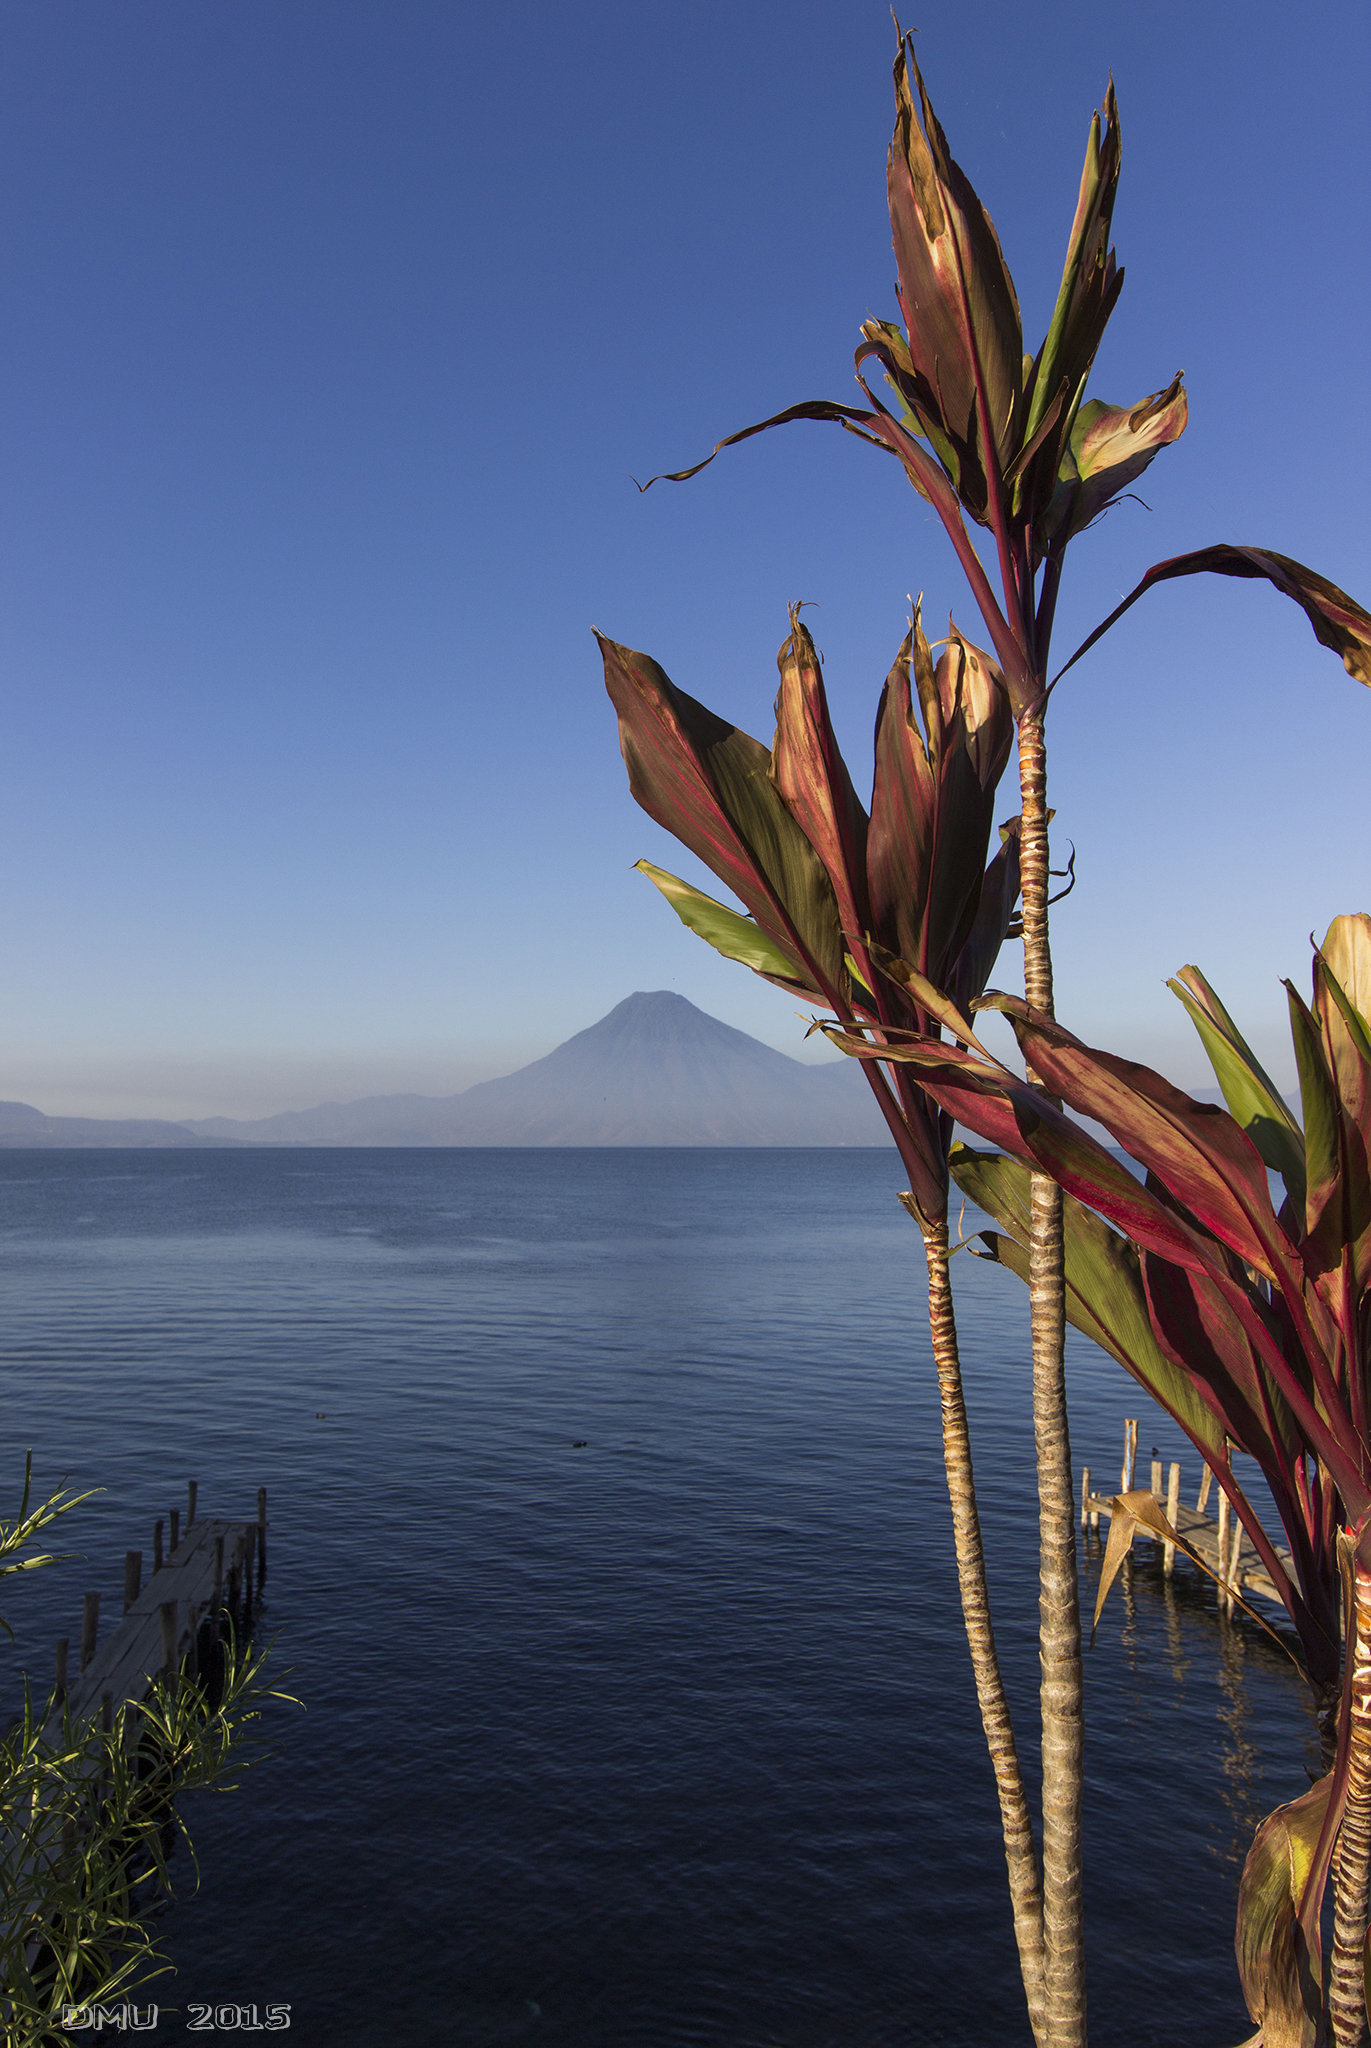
[[135, 1093], [337, 335]]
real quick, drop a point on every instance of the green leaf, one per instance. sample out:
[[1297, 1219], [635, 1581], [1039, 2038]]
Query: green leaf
[[1252, 1096], [1280, 1979], [1319, 1107], [1091, 280], [728, 931]]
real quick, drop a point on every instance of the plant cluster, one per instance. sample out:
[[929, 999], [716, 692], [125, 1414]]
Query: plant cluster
[[1249, 1323]]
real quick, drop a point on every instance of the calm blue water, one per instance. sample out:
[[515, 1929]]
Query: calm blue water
[[668, 1739]]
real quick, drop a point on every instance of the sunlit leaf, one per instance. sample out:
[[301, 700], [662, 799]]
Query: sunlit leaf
[[728, 931], [1346, 952], [811, 775], [1195, 1148], [1110, 447], [960, 308], [1091, 281], [1253, 1099], [710, 784]]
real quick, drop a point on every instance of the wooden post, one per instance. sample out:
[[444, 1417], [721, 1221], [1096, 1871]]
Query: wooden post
[[1224, 1601], [1156, 1478], [157, 1545], [217, 1599], [133, 1577], [1173, 1508], [1085, 1496], [175, 1530], [60, 1689], [167, 1611], [1130, 1453], [1235, 1567], [192, 1492], [90, 1627], [261, 1534], [1203, 1502], [234, 1581]]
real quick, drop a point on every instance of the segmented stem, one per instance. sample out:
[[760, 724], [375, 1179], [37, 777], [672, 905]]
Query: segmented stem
[[1020, 1854], [1063, 1695], [1352, 1865]]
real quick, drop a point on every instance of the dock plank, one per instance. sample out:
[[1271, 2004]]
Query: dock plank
[[131, 1656]]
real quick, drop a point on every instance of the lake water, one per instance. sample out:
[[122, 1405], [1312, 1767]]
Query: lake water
[[666, 1739]]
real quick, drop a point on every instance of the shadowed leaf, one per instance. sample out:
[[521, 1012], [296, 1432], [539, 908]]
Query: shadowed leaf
[[993, 921], [1339, 622], [932, 802], [1279, 1977], [1319, 1114]]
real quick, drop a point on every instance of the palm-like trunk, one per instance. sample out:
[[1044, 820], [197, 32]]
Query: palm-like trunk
[[1063, 1718], [1352, 1869], [1015, 1821]]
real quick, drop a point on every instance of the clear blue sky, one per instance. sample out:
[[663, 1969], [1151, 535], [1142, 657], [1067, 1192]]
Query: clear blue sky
[[333, 333]]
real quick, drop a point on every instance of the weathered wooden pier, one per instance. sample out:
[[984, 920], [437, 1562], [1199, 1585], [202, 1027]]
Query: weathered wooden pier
[[204, 1579], [211, 1569], [1219, 1539]]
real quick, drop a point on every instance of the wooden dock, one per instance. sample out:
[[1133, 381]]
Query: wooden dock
[[1219, 1539], [202, 1580], [215, 1568]]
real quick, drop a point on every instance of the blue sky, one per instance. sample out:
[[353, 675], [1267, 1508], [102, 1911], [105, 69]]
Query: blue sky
[[333, 335]]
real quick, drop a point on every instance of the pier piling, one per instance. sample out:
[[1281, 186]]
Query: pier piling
[[90, 1627]]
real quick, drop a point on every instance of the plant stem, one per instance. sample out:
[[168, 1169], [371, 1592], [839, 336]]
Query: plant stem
[[1059, 1631], [1352, 1867], [1020, 1855]]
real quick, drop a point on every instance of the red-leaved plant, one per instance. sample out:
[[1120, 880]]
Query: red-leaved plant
[[1010, 443]]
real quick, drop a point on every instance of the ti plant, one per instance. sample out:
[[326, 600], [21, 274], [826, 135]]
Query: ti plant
[[1009, 442], [839, 903], [1250, 1322]]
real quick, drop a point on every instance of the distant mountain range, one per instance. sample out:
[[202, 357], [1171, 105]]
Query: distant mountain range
[[23, 1126], [655, 1071]]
